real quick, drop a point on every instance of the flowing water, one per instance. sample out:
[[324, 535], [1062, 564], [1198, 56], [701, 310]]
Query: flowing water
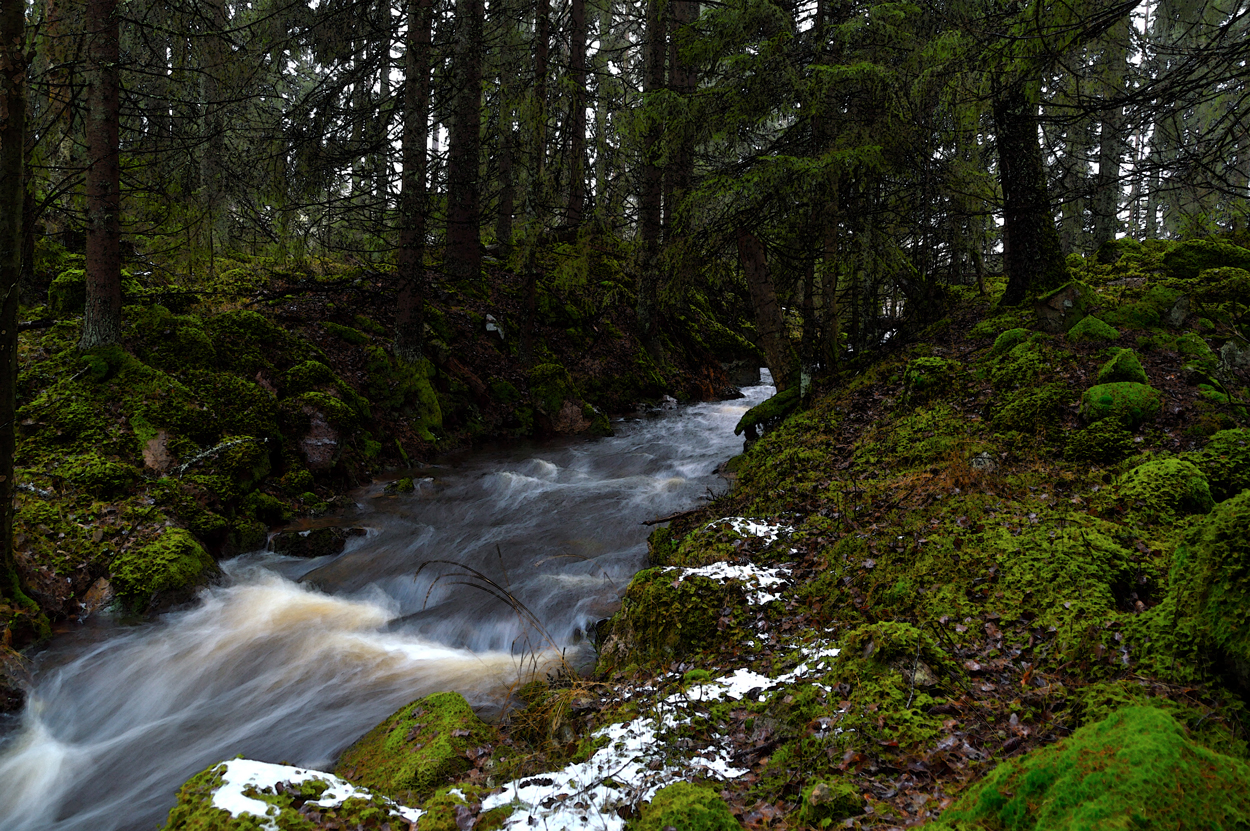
[[496, 566]]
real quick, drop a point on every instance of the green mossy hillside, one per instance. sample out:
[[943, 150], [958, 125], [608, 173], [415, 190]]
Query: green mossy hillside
[[1135, 769]]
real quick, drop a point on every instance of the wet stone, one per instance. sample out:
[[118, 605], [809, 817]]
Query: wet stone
[[318, 542]]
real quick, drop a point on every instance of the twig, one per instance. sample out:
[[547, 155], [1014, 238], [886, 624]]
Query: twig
[[225, 445]]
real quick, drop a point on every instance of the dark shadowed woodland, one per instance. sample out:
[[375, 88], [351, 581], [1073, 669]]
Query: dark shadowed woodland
[[986, 551]]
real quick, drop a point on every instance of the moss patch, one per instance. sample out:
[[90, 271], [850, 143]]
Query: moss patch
[[687, 807], [1226, 462], [1092, 329], [1135, 769], [176, 564], [1127, 402], [1124, 365], [418, 749], [1165, 489]]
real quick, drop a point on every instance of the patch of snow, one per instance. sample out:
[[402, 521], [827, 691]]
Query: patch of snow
[[769, 532], [238, 775], [760, 578]]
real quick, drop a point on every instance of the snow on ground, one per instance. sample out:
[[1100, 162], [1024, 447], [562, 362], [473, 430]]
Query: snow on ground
[[752, 575], [239, 775], [768, 531], [635, 763]]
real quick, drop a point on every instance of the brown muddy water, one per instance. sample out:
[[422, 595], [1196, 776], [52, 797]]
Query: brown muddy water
[[496, 565]]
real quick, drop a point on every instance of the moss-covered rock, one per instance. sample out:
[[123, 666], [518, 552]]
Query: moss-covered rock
[[1061, 309], [1008, 340], [550, 386], [68, 292], [1031, 411], [1092, 329], [1196, 352], [829, 802], [665, 616], [417, 750], [768, 413], [684, 806], [265, 796], [1165, 489], [924, 376], [169, 569], [1129, 403], [1226, 462], [1124, 365], [1209, 589], [1103, 442], [1136, 769], [99, 476], [169, 342], [1188, 259]]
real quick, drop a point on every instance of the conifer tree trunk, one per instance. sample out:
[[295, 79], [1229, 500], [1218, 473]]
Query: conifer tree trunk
[[103, 315], [682, 80], [213, 65], [1105, 205], [769, 322], [12, 153], [652, 191], [1031, 254], [577, 113], [410, 259], [464, 257]]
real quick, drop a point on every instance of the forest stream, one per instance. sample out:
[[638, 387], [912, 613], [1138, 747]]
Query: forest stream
[[292, 660]]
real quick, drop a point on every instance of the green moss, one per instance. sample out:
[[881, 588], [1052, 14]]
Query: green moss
[[416, 750], [1129, 403], [1022, 365], [346, 333], [405, 387], [1092, 328], [1032, 411], [1135, 769], [170, 342], [924, 376], [99, 476], [1195, 350], [68, 292], [687, 807], [308, 377], [768, 413], [1103, 442], [1188, 259], [404, 485], [1009, 340], [176, 563], [828, 802], [1209, 589], [266, 508], [247, 342], [1124, 365], [550, 386], [1165, 489], [291, 806], [1226, 462]]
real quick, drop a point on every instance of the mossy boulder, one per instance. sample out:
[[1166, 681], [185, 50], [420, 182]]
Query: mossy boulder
[[1032, 411], [1103, 442], [1159, 306], [825, 803], [417, 750], [67, 293], [1188, 259], [1124, 365], [768, 413], [1165, 489], [1138, 768], [169, 569], [1129, 403], [1061, 309], [1209, 589], [1092, 329], [1196, 352], [684, 806], [265, 796], [924, 376], [1226, 462], [665, 617], [172, 343], [1009, 339]]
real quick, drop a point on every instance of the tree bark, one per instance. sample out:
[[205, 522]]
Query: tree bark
[[12, 157], [770, 324], [103, 316], [577, 113], [1031, 253], [652, 191], [682, 80], [1105, 205], [410, 259], [464, 256]]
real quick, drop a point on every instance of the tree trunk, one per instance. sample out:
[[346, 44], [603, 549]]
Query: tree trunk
[[464, 256], [102, 321], [1105, 205], [12, 154], [1031, 254], [410, 259], [213, 65], [604, 82], [683, 79], [769, 322], [537, 193], [652, 192], [577, 113]]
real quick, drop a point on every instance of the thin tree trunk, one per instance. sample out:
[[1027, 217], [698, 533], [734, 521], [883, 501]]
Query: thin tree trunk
[[103, 317], [464, 256], [577, 113], [1105, 205], [1031, 254], [12, 156], [410, 259], [652, 193], [507, 184], [603, 84], [769, 322], [212, 162]]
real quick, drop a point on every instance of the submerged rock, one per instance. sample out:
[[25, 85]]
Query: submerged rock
[[315, 543]]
